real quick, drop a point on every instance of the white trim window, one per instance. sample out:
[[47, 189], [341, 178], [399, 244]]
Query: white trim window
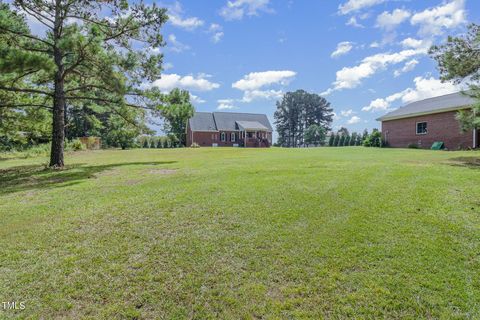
[[232, 137], [223, 137], [421, 127]]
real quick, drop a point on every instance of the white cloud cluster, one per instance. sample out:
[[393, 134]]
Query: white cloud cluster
[[257, 80], [253, 84], [216, 31], [196, 83], [226, 104], [196, 99], [347, 113], [432, 21], [342, 48], [356, 5], [389, 21], [175, 45], [351, 77], [409, 66], [237, 9], [424, 88], [354, 120], [354, 23], [175, 13]]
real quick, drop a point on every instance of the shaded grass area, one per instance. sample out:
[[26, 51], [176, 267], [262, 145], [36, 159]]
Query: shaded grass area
[[243, 233]]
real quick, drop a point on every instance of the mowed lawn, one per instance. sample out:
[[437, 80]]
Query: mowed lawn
[[243, 234]]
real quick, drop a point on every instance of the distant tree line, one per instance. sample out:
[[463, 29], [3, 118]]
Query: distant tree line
[[154, 142], [302, 119], [342, 138]]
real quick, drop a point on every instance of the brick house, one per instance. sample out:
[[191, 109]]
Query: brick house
[[229, 129], [427, 121]]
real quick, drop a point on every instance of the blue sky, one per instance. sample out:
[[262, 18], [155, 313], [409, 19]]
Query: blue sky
[[364, 56]]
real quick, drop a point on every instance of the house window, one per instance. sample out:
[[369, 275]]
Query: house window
[[232, 137], [222, 137], [421, 128], [249, 134]]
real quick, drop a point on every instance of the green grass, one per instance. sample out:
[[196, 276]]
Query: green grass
[[242, 234]]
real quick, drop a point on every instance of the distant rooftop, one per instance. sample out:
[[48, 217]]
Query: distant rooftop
[[448, 102], [229, 121]]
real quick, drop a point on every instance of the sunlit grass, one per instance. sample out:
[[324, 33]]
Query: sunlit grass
[[242, 233]]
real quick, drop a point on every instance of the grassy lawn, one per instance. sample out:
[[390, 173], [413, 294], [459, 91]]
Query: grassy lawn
[[243, 234]]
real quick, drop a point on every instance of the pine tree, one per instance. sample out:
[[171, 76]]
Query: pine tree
[[93, 51]]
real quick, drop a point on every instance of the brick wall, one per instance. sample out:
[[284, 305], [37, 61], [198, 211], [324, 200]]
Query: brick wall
[[440, 127], [206, 139]]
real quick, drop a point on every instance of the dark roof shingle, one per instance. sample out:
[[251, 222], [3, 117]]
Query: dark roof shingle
[[225, 121], [438, 104]]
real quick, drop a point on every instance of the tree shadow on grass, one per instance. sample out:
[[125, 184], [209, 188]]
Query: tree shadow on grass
[[466, 162], [34, 177]]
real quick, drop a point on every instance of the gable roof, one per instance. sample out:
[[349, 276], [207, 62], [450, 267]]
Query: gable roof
[[448, 102], [202, 121], [250, 125], [228, 121]]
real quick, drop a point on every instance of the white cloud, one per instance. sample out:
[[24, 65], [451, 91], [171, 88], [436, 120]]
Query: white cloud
[[175, 45], [342, 48], [446, 16], [167, 66], [216, 31], [416, 44], [356, 5], [199, 83], [347, 113], [226, 104], [237, 9], [409, 66], [351, 77], [424, 88], [374, 44], [175, 18], [257, 80], [354, 120], [196, 99], [249, 96], [389, 21], [354, 23]]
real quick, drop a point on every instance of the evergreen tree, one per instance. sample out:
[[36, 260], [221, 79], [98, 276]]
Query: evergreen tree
[[353, 139], [296, 112], [341, 141], [93, 51], [364, 136], [458, 60], [336, 140], [346, 143], [331, 139]]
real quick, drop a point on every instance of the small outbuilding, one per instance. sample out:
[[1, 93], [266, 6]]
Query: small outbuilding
[[424, 122]]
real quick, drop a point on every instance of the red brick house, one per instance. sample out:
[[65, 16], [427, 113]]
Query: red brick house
[[427, 121], [229, 129]]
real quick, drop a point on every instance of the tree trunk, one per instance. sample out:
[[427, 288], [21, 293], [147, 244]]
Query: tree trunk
[[58, 132]]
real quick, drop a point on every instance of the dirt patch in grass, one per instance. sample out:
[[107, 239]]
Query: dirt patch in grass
[[470, 162], [162, 171]]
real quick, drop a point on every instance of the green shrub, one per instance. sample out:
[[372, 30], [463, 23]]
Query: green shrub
[[75, 145], [374, 139]]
